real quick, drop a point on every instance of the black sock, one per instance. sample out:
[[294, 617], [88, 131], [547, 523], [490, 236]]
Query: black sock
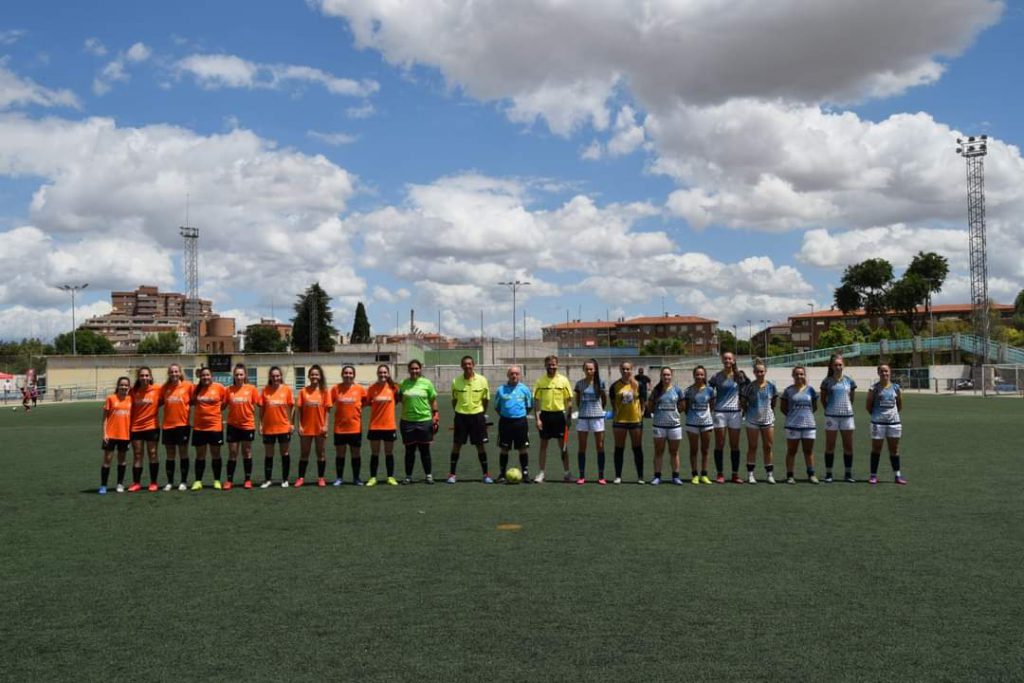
[[425, 459], [321, 468], [581, 463], [303, 465], [719, 460], [232, 464], [703, 473], [120, 473], [830, 458], [154, 471], [769, 468], [217, 468], [104, 475], [848, 462], [389, 464], [875, 457], [268, 468], [482, 457], [453, 463], [734, 460], [247, 468], [374, 465], [286, 467], [503, 462], [339, 466], [410, 460], [184, 469], [136, 475], [618, 460], [638, 461], [810, 472], [789, 474], [657, 475], [600, 464], [675, 475], [750, 467], [524, 462], [357, 467], [894, 460], [694, 473], [200, 469], [169, 466]]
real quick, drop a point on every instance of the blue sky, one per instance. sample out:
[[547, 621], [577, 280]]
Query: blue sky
[[729, 161]]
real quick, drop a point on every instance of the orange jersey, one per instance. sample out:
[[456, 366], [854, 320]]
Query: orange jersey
[[313, 406], [145, 407], [382, 407], [276, 412], [209, 406], [176, 400], [118, 421], [348, 408], [242, 402]]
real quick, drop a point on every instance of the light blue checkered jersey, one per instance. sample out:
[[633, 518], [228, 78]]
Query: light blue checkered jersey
[[666, 408], [759, 404], [839, 394], [727, 391], [698, 406], [884, 410], [800, 403], [590, 399]]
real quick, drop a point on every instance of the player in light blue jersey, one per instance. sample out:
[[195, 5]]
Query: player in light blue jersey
[[728, 383], [513, 402], [665, 404], [885, 403], [799, 402], [837, 394], [591, 400], [758, 403], [699, 403]]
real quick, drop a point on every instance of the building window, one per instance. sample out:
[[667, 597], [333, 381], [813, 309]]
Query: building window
[[300, 378]]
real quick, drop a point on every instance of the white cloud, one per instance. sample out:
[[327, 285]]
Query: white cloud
[[215, 71], [334, 139], [138, 52], [627, 136], [896, 243], [19, 321], [363, 111], [19, 92], [95, 47], [387, 296], [116, 70], [12, 36]]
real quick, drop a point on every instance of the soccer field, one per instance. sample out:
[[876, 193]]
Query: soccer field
[[840, 581]]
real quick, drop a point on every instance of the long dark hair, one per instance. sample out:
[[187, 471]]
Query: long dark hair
[[597, 373], [660, 388], [391, 381], [271, 372], [316, 366], [200, 389], [138, 382]]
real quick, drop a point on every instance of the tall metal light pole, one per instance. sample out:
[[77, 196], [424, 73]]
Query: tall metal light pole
[[74, 327], [190, 265], [973, 150], [812, 326], [767, 334], [514, 285]]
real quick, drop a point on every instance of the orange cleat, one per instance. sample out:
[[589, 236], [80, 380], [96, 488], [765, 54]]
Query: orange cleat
[[228, 485], [135, 487], [300, 482], [152, 488], [247, 484], [321, 482]]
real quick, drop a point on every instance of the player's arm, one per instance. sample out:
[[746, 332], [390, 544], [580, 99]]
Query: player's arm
[[825, 394], [899, 400], [870, 403], [435, 413], [785, 405], [814, 402]]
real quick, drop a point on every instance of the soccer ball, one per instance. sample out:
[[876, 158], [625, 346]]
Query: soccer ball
[[513, 475]]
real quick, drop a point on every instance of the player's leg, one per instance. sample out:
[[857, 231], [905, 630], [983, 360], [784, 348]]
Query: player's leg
[[599, 445], [847, 436], [339, 459], [705, 446], [217, 464], [768, 448], [581, 449], [305, 448], [636, 436], [659, 457], [877, 440], [693, 438], [108, 455], [720, 433], [830, 449], [268, 461], [374, 462], [734, 449], [285, 447], [893, 443], [792, 444], [673, 451], [200, 464], [619, 434], [122, 452], [138, 452], [808, 447], [542, 459], [752, 434]]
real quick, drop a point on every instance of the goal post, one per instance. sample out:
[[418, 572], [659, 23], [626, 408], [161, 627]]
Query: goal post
[[1002, 380]]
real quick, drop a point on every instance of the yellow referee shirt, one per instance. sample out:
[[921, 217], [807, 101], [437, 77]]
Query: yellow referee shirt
[[469, 394], [552, 394]]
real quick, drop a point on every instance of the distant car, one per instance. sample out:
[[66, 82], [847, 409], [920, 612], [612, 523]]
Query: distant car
[[962, 384]]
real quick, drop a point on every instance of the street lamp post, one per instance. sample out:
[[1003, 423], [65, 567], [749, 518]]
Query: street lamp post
[[764, 323], [812, 326], [514, 285], [74, 289]]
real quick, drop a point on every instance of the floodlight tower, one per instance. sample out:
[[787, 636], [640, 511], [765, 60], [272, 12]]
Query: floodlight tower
[[314, 314], [190, 264], [514, 285], [973, 150]]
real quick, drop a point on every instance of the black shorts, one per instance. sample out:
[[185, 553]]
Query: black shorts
[[355, 439], [176, 436], [204, 438], [627, 425], [513, 432], [554, 424], [236, 434], [382, 435], [151, 435], [416, 432], [277, 438], [119, 445], [470, 427]]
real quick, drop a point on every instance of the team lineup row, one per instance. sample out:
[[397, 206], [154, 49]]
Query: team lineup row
[[177, 413]]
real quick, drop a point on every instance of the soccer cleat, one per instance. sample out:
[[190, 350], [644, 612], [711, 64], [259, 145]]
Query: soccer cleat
[[358, 482], [321, 482], [641, 482], [217, 485], [197, 485], [677, 481], [501, 479], [581, 481], [790, 480], [736, 479], [153, 488], [487, 479], [266, 485], [183, 486], [247, 484], [102, 490], [120, 488], [567, 477], [751, 479], [873, 480], [300, 482], [813, 479], [371, 482], [704, 479], [406, 481], [450, 479], [284, 484], [539, 479], [901, 481], [392, 481], [168, 486], [228, 485], [338, 482], [617, 480], [602, 482], [828, 479], [695, 481], [849, 479], [656, 481], [429, 479], [770, 479], [135, 488], [720, 479]]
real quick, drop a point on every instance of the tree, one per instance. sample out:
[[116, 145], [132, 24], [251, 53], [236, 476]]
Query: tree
[[726, 341], [360, 326], [1018, 305], [264, 339], [163, 342], [316, 301], [838, 335], [872, 285], [87, 343], [17, 357], [932, 269]]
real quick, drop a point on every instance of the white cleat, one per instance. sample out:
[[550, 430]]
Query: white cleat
[[617, 480], [168, 487], [539, 479], [771, 478], [120, 488], [751, 479], [182, 487], [267, 484], [284, 484]]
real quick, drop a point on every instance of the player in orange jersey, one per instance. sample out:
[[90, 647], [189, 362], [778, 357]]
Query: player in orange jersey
[[277, 417], [243, 399], [314, 403], [145, 429], [381, 396], [176, 399], [209, 400], [348, 399], [117, 420]]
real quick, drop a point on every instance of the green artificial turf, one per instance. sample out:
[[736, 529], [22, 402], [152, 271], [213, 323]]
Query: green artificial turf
[[834, 582]]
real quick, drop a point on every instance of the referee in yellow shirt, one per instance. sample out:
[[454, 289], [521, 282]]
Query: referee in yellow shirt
[[470, 395], [552, 395]]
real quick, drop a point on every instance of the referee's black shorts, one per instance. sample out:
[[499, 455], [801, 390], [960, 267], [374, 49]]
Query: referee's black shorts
[[470, 427], [553, 424], [513, 432]]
